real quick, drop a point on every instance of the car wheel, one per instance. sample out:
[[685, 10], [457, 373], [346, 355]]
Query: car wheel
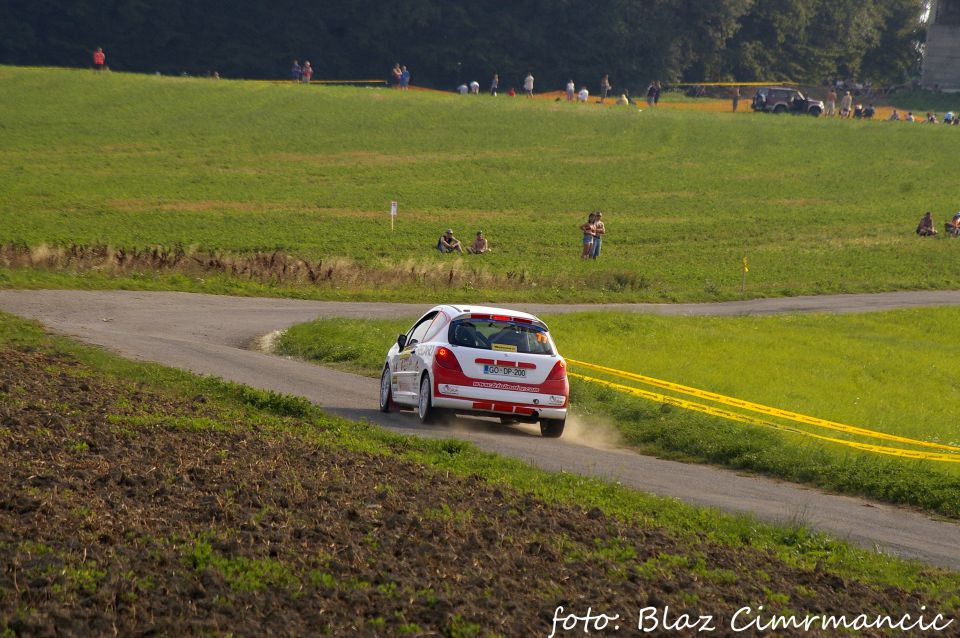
[[552, 428], [424, 402], [815, 111], [386, 392], [779, 108]]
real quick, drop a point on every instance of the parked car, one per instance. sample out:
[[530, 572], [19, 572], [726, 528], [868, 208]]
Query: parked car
[[777, 99], [478, 360]]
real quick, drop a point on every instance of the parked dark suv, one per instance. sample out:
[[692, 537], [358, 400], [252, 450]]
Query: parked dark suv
[[778, 99]]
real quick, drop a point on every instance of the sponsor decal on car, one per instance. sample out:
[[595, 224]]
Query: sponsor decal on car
[[505, 386], [503, 347]]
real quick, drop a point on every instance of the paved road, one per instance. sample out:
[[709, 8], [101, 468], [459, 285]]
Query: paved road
[[213, 335]]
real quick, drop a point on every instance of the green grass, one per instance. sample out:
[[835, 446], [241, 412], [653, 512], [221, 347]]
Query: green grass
[[889, 372], [132, 161], [268, 412]]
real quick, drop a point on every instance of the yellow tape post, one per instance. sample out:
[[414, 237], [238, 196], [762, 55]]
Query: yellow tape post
[[758, 408]]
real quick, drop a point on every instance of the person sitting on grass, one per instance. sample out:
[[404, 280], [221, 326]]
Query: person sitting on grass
[[952, 227], [448, 243], [925, 227], [479, 245]]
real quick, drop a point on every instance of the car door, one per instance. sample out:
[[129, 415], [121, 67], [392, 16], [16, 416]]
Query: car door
[[407, 365]]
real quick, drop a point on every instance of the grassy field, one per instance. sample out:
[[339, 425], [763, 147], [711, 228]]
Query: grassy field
[[889, 372], [241, 167], [147, 405]]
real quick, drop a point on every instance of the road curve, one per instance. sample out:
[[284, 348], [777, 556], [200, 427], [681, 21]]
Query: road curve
[[212, 335]]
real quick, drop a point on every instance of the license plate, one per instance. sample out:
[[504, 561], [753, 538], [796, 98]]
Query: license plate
[[504, 371]]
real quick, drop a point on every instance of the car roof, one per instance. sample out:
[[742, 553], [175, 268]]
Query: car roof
[[462, 309]]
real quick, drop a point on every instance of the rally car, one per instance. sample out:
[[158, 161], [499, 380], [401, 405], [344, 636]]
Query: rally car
[[478, 360]]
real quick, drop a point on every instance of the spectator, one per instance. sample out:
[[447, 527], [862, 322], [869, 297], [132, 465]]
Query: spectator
[[589, 229], [651, 92], [599, 230], [948, 117], [448, 243], [925, 227], [475, 87], [296, 72], [910, 117], [831, 103], [952, 227], [736, 98], [307, 72], [511, 92], [931, 118], [583, 95], [99, 60], [479, 245], [463, 89], [404, 78], [846, 105], [604, 87], [395, 75], [656, 93], [528, 85], [858, 111], [622, 100], [894, 117], [494, 84], [571, 89], [869, 112]]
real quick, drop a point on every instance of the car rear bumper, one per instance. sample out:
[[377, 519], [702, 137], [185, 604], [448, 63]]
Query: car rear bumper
[[532, 412], [499, 401]]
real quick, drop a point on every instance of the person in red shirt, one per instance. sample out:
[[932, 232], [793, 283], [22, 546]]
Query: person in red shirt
[[99, 59]]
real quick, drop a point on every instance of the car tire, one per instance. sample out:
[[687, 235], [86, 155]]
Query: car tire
[[779, 108], [425, 410], [815, 111], [552, 428], [386, 391]]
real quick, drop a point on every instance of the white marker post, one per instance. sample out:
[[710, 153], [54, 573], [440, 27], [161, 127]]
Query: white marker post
[[393, 214]]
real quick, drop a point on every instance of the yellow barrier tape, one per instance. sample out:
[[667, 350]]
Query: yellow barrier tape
[[744, 418], [762, 409]]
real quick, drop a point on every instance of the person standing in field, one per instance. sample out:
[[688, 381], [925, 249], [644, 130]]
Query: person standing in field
[[589, 229], [651, 91], [598, 231], [494, 84], [395, 74], [296, 71], [528, 85], [307, 72], [99, 60], [656, 93], [404, 78], [571, 89], [604, 87], [831, 103], [846, 105], [736, 98]]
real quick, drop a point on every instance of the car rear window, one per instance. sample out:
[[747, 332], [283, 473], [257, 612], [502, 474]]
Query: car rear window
[[499, 335]]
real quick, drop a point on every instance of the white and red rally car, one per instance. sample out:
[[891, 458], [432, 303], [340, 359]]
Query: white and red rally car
[[478, 360]]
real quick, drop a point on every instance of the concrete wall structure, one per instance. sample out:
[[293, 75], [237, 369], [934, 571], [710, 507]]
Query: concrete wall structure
[[941, 60]]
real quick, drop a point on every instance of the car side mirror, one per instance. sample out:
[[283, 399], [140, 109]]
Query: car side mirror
[[401, 341]]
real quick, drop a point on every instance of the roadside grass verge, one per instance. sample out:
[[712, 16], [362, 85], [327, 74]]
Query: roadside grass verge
[[889, 372], [239, 168], [245, 409]]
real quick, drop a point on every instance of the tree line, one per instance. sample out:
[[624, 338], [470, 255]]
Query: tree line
[[446, 42]]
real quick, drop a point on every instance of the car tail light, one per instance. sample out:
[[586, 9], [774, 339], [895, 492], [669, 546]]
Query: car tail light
[[446, 359], [559, 371]]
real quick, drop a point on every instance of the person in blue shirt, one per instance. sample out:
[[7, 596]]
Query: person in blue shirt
[[295, 71], [404, 78]]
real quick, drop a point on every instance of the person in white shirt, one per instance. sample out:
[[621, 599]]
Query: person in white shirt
[[475, 87], [528, 85], [462, 89], [571, 89], [584, 95]]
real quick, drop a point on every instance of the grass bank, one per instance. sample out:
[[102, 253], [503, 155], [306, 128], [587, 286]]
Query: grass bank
[[889, 372], [237, 168]]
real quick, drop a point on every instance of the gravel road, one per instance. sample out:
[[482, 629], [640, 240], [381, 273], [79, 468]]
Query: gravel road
[[214, 335]]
